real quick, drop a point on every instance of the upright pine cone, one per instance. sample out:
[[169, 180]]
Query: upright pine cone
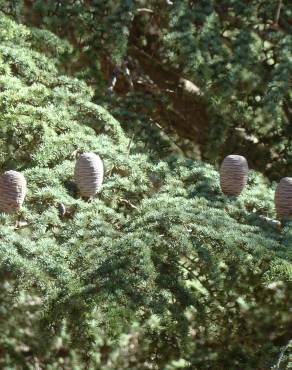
[[233, 174], [89, 174], [283, 198], [12, 191]]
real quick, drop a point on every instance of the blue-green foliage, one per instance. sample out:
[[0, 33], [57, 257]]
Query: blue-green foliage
[[161, 271], [238, 54]]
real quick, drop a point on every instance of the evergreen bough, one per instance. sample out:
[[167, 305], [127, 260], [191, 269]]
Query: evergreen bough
[[162, 271]]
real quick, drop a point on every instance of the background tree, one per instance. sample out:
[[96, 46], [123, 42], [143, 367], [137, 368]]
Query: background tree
[[214, 75]]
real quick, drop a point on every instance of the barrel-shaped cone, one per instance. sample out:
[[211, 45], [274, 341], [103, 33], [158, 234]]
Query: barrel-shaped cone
[[233, 174], [89, 174], [283, 198], [12, 191]]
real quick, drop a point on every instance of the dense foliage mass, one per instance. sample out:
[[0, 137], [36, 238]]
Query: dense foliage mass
[[218, 72], [160, 271]]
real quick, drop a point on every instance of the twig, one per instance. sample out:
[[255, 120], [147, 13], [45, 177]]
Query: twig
[[277, 16], [21, 224], [128, 203], [129, 145], [284, 349], [119, 69], [127, 74], [114, 79], [62, 209], [275, 223], [145, 10], [109, 172]]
